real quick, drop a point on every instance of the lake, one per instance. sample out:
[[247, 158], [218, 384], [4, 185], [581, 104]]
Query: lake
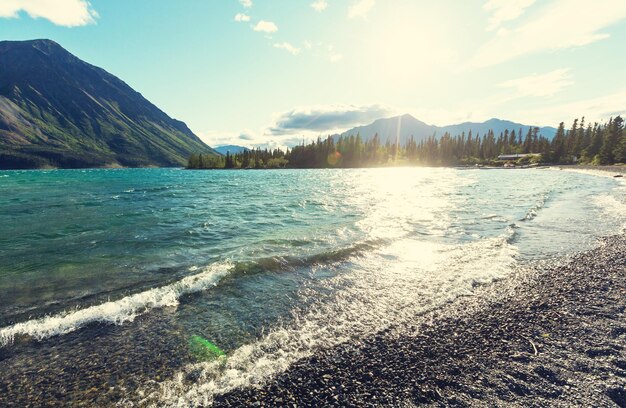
[[108, 276]]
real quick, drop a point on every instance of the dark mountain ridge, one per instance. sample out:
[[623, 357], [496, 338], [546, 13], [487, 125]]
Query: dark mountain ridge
[[59, 111]]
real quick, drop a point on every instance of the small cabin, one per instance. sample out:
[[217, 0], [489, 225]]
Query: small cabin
[[515, 156]]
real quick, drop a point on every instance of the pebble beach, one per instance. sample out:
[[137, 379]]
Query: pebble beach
[[551, 336]]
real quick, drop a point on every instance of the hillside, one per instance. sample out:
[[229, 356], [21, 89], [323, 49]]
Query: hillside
[[59, 111]]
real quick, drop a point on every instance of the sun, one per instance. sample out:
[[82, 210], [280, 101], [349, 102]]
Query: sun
[[407, 49]]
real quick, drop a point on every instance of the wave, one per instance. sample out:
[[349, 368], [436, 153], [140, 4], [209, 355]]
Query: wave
[[118, 311], [534, 210], [385, 287], [278, 263], [129, 307]]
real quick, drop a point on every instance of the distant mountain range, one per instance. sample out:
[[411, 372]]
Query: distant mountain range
[[58, 111], [401, 128], [233, 149]]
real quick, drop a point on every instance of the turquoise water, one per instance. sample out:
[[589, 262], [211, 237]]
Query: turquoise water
[[269, 265]]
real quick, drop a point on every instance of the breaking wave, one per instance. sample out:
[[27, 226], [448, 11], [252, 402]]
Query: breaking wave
[[129, 307], [388, 286], [118, 311]]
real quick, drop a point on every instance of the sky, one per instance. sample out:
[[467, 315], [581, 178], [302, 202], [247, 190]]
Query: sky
[[275, 72]]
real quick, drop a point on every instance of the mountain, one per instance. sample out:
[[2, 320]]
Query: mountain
[[405, 126], [497, 125], [58, 111], [233, 149], [401, 127]]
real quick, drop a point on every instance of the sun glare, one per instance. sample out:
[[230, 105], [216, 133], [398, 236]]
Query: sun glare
[[406, 50]]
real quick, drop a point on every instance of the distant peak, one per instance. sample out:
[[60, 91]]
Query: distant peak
[[495, 120], [409, 117], [44, 41], [31, 43], [46, 46], [406, 116]]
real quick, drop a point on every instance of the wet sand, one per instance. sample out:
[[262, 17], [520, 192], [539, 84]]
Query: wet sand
[[551, 336]]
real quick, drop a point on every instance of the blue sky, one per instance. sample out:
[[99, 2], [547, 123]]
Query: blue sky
[[270, 72]]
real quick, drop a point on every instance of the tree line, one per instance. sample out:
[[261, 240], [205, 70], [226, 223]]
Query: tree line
[[596, 144]]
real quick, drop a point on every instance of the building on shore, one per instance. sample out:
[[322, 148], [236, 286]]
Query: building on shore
[[509, 157]]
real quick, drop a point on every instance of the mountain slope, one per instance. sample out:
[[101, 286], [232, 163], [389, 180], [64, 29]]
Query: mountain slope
[[56, 110], [401, 128]]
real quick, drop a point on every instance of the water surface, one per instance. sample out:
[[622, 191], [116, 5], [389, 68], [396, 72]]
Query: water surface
[[113, 271]]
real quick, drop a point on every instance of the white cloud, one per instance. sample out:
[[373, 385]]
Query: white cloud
[[333, 55], [561, 24], [248, 138], [241, 17], [598, 109], [69, 13], [319, 5], [265, 26], [505, 10], [325, 118], [288, 47], [360, 8], [540, 84], [213, 138], [246, 3]]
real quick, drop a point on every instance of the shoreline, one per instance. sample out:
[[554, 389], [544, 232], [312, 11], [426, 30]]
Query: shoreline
[[553, 335], [617, 168]]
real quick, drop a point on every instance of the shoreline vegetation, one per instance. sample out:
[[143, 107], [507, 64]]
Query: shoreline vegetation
[[552, 335], [582, 144]]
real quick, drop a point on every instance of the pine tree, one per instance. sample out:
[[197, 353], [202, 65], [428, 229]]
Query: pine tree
[[618, 140], [612, 135], [620, 150], [558, 144]]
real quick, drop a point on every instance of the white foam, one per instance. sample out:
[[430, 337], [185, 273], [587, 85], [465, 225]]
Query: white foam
[[387, 287], [534, 210], [614, 207], [118, 311], [613, 203]]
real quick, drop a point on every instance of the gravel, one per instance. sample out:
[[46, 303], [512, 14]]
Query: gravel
[[551, 336]]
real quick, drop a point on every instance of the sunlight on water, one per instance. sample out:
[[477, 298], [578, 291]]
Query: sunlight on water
[[398, 199]]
